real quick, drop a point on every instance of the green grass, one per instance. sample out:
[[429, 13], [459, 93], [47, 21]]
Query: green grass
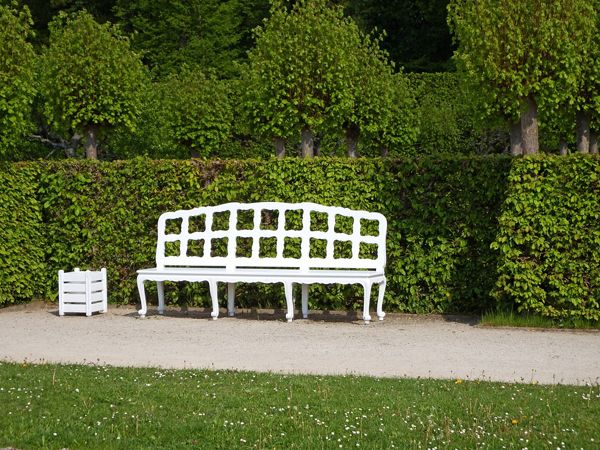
[[60, 406], [513, 319]]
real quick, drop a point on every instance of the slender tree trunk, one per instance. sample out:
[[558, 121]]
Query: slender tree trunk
[[307, 143], [279, 147], [562, 147], [529, 127], [593, 142], [583, 132], [384, 151], [516, 139], [91, 146], [352, 134]]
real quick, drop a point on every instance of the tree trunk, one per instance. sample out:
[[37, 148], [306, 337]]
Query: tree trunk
[[516, 139], [307, 143], [583, 132], [91, 146], [529, 127], [352, 134], [594, 143], [279, 147], [384, 151], [562, 147]]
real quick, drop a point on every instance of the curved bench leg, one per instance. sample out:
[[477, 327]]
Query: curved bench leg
[[144, 308], [212, 285], [160, 289], [289, 301], [367, 302], [380, 313], [231, 299], [305, 301]]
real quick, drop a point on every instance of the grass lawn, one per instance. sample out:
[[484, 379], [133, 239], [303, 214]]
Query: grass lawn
[[513, 319], [58, 406]]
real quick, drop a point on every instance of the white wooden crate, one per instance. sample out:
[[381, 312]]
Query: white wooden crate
[[82, 292]]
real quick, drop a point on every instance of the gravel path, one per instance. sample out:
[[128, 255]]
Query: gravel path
[[400, 346]]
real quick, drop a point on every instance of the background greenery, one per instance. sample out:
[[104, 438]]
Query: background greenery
[[541, 215]]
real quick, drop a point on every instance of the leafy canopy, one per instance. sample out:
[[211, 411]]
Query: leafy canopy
[[90, 75], [16, 77], [516, 49], [171, 33], [200, 110], [312, 68]]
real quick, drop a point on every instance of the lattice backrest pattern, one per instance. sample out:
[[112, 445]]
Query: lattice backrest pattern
[[283, 235]]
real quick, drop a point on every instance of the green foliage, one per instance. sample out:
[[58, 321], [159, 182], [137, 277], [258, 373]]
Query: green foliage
[[384, 111], [460, 228], [22, 266], [588, 98], [90, 76], [152, 136], [518, 49], [441, 215], [173, 33], [549, 240], [17, 88], [447, 111], [312, 68], [200, 110]]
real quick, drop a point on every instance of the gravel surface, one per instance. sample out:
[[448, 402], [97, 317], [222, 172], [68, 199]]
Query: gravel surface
[[400, 346]]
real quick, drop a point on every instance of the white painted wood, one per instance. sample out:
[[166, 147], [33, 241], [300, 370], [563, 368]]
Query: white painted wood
[[304, 269], [82, 292]]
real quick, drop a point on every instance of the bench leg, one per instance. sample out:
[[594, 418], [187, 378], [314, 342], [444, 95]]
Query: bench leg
[[143, 310], [305, 301], [160, 289], [231, 299], [367, 302], [289, 300], [212, 285], [380, 313]]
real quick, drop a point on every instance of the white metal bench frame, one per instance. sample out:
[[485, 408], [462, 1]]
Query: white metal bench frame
[[231, 268]]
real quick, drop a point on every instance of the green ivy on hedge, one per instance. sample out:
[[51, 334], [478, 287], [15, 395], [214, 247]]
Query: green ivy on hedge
[[549, 237], [441, 212], [22, 262], [443, 215]]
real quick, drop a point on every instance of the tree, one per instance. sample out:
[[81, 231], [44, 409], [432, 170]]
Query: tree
[[43, 11], [91, 79], [588, 98], [519, 51], [170, 33], [200, 110], [16, 77], [313, 71]]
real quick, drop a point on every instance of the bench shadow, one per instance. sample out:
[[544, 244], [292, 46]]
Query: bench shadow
[[254, 314]]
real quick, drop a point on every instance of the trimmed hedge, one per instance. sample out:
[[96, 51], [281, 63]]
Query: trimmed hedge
[[443, 216], [22, 258], [549, 237], [441, 212]]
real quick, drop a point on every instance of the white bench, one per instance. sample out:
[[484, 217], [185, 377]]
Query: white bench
[[287, 243]]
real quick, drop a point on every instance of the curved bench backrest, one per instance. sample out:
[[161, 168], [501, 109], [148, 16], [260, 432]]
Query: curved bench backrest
[[271, 234]]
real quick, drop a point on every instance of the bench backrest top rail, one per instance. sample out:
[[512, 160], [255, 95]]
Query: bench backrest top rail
[[272, 234]]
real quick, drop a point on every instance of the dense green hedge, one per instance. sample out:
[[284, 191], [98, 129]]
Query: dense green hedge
[[22, 259], [549, 237], [443, 213]]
